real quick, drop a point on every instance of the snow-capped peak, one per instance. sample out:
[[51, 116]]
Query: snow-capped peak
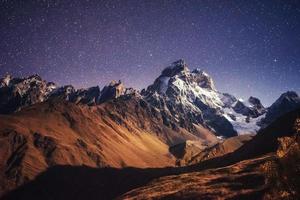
[[179, 75], [195, 93]]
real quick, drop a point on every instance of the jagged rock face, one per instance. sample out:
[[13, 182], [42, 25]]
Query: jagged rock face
[[176, 68], [241, 108], [257, 108], [228, 100], [254, 108], [202, 79], [256, 103], [115, 90], [88, 96], [64, 92], [17, 148], [285, 103], [16, 93]]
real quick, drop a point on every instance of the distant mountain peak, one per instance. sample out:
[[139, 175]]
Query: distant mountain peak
[[287, 101], [289, 94], [287, 98], [255, 102]]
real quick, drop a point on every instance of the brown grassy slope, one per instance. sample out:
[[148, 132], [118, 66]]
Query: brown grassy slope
[[243, 180], [193, 152], [131, 110], [260, 174], [273, 176], [54, 133], [227, 146]]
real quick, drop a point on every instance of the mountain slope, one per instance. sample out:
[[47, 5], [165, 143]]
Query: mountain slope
[[62, 133], [243, 180], [266, 167], [191, 152]]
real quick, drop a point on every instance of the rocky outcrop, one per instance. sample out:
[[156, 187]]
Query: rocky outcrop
[[18, 147], [46, 145], [252, 108], [14, 147], [89, 96], [255, 102], [16, 93], [115, 90], [63, 93]]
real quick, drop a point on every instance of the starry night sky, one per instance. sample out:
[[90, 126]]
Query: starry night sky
[[248, 47]]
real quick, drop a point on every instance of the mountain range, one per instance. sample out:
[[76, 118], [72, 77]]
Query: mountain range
[[179, 124], [178, 93]]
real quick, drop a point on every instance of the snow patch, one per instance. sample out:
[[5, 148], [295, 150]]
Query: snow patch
[[242, 124], [164, 80]]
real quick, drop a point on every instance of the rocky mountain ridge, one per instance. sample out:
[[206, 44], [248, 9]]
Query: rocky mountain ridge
[[184, 97]]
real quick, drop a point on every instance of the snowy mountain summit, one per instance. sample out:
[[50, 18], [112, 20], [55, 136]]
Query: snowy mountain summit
[[177, 72], [194, 96]]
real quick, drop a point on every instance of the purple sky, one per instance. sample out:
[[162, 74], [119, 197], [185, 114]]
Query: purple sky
[[248, 48]]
